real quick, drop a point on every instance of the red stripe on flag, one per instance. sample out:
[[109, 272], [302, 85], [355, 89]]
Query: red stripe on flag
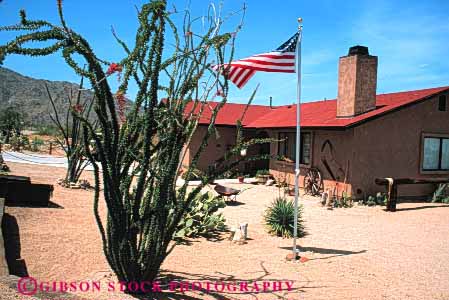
[[290, 70], [237, 75], [268, 63], [233, 69], [246, 78]]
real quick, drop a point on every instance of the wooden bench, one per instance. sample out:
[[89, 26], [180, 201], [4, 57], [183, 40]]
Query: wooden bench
[[392, 187]]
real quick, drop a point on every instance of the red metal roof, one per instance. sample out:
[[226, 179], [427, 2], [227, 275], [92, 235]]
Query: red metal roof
[[230, 113], [313, 114]]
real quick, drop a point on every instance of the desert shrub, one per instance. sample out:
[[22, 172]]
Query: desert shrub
[[19, 142], [344, 202], [202, 218], [36, 144], [441, 194], [279, 218], [381, 199], [48, 130], [378, 199], [11, 122]]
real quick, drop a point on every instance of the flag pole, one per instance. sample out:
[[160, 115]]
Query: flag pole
[[298, 136]]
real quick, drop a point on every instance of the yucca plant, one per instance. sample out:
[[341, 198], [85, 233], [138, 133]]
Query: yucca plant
[[441, 194], [279, 218]]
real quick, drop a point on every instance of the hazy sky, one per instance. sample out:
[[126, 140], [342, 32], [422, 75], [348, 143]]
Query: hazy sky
[[410, 37]]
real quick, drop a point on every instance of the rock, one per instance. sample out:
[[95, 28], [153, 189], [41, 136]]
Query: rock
[[74, 185], [296, 256], [292, 256], [240, 233]]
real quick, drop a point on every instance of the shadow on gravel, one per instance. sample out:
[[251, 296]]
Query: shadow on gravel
[[332, 252], [11, 235], [420, 207], [263, 275]]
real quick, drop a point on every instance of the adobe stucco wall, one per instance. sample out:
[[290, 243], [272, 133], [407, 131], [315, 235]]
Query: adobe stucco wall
[[219, 145], [331, 146], [216, 148], [391, 146]]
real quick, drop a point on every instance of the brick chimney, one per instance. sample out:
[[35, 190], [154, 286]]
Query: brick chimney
[[357, 80]]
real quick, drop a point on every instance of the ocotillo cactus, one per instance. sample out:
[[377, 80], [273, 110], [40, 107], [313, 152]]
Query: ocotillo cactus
[[70, 129], [140, 151]]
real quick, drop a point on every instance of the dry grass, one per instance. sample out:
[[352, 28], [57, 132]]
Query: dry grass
[[356, 253]]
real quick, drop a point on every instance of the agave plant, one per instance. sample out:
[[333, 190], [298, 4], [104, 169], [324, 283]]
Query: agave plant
[[441, 194], [279, 218]]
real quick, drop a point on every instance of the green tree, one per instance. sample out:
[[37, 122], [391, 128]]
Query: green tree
[[11, 122], [140, 151]]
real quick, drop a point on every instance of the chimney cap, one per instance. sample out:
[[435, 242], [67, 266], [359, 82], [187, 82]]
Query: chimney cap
[[358, 50]]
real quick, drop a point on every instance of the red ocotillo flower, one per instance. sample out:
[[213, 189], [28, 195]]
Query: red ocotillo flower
[[78, 108], [219, 93], [114, 68]]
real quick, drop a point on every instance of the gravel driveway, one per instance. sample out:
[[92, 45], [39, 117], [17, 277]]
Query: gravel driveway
[[355, 253]]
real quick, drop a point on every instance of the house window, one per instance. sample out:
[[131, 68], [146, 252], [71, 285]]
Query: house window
[[442, 103], [287, 146], [436, 154]]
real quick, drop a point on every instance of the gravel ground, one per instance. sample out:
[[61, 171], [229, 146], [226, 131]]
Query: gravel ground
[[356, 253]]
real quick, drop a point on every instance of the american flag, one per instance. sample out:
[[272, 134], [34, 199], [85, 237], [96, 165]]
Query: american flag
[[280, 60]]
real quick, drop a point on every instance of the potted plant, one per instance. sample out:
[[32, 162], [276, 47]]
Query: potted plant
[[262, 176], [240, 177]]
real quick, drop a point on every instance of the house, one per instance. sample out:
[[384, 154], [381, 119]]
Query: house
[[351, 140]]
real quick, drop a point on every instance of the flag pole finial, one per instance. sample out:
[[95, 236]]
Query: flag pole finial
[[300, 20]]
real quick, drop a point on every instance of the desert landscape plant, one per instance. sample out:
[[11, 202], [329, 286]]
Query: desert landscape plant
[[345, 201], [11, 122], [202, 219], [140, 151], [378, 199], [441, 194], [70, 132], [279, 218], [36, 143], [19, 142]]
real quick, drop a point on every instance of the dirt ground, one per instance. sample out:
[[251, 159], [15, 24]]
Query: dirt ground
[[355, 253]]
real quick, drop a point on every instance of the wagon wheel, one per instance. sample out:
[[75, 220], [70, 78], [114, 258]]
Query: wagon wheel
[[313, 183]]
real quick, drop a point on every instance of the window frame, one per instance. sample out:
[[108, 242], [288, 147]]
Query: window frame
[[439, 170], [282, 134]]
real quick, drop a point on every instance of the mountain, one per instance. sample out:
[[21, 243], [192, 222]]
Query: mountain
[[29, 95]]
